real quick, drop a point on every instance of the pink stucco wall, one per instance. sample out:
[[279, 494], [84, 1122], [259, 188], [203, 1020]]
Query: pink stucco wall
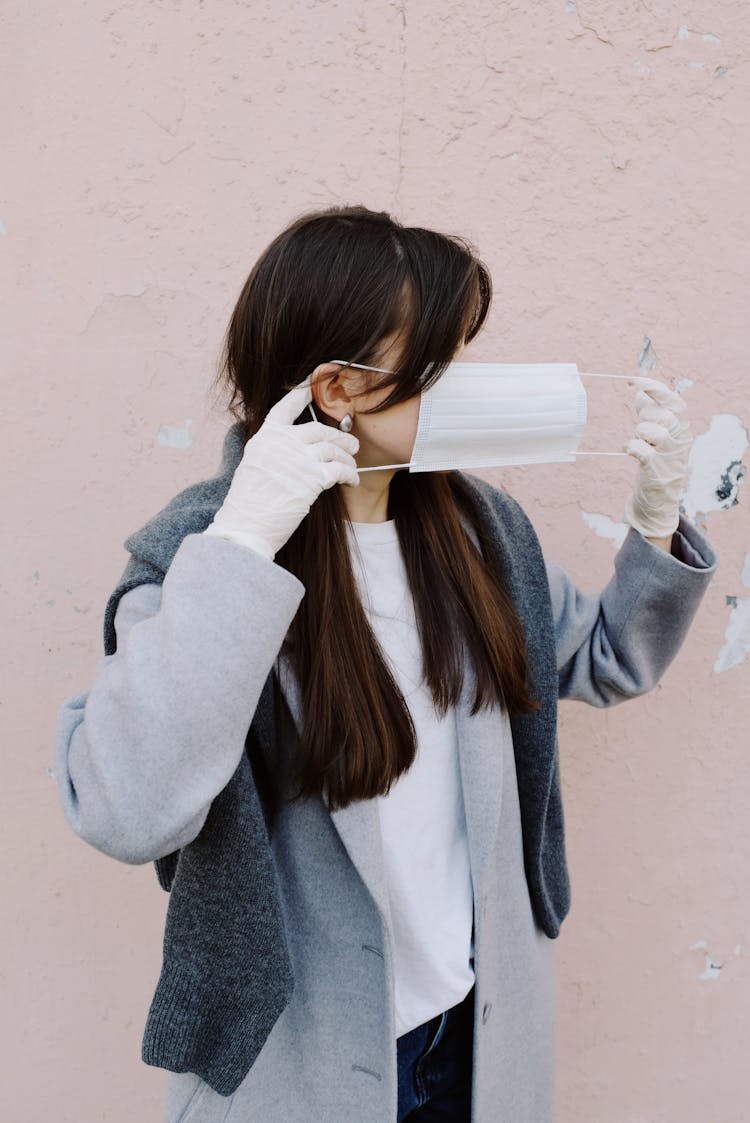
[[598, 153]]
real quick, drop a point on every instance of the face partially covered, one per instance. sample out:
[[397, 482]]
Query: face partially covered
[[386, 437]]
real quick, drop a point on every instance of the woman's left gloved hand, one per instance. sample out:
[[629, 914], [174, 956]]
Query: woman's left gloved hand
[[661, 447]]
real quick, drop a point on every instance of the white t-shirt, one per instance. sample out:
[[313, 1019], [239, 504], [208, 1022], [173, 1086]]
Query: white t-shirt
[[422, 821]]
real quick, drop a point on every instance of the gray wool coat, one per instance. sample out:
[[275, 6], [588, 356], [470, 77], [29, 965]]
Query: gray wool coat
[[152, 764]]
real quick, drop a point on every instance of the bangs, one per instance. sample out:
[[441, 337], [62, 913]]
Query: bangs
[[441, 302], [334, 285]]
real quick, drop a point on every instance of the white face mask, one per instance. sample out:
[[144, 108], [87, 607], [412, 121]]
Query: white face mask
[[483, 415], [488, 415]]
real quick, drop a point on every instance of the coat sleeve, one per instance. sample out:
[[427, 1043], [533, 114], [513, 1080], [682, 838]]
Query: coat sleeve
[[142, 753], [617, 644]]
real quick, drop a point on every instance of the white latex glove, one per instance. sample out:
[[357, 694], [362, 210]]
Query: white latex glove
[[661, 447], [283, 470]]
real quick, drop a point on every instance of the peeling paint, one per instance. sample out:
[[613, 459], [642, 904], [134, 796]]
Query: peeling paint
[[745, 571], [713, 970], [172, 437], [716, 468], [606, 527], [737, 637], [647, 358], [3, 229], [570, 6], [730, 481], [683, 384], [684, 32]]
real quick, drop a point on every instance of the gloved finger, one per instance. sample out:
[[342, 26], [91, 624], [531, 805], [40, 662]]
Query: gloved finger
[[641, 451], [334, 472], [314, 431], [663, 395], [652, 433], [327, 451], [649, 411], [288, 408]]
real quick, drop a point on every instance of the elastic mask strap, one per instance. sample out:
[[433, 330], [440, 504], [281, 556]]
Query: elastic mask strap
[[637, 379], [382, 467], [359, 366]]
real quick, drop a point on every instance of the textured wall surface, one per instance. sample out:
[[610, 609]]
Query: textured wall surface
[[598, 154]]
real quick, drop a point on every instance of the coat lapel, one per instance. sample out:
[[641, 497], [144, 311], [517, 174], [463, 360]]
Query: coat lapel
[[481, 762], [358, 825], [481, 766]]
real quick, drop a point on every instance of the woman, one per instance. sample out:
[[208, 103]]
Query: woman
[[327, 711]]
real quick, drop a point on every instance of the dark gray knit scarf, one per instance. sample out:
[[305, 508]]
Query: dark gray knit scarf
[[226, 973]]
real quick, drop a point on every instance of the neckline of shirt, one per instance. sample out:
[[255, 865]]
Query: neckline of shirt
[[374, 533]]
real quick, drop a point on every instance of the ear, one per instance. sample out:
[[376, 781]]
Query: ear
[[332, 389]]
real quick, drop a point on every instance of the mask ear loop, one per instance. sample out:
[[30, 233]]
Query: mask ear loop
[[383, 467], [636, 379], [359, 366]]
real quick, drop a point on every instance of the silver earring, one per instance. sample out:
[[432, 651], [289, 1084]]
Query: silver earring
[[346, 423]]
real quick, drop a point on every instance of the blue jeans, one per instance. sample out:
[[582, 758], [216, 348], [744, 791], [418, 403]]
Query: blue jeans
[[434, 1067]]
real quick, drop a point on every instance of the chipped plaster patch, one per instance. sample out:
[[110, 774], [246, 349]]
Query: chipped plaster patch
[[745, 571], [606, 527], [737, 637], [172, 437], [684, 32], [683, 384], [713, 968], [647, 358], [716, 468]]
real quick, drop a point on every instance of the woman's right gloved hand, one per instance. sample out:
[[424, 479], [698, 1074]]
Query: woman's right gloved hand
[[283, 470]]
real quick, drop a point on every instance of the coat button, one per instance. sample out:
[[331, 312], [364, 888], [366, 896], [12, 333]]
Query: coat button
[[486, 1011]]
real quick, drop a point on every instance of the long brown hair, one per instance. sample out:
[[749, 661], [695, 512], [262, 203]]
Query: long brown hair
[[333, 285]]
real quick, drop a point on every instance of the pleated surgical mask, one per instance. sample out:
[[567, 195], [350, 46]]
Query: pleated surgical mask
[[489, 415]]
